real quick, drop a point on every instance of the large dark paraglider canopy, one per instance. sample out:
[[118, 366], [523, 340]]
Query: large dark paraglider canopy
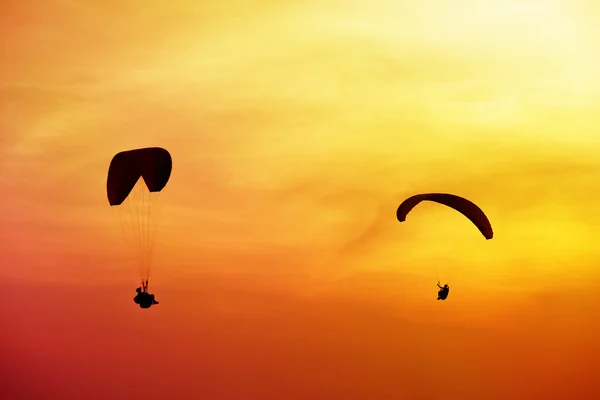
[[460, 204], [153, 164]]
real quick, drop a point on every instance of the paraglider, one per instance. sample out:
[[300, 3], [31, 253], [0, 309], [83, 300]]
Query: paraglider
[[143, 298], [443, 292], [460, 204], [135, 180]]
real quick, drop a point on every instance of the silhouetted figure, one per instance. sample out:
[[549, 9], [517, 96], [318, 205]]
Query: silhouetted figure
[[143, 298], [443, 292]]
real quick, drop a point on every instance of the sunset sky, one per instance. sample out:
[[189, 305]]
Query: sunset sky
[[296, 128]]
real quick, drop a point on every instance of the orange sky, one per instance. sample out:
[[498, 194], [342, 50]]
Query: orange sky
[[296, 128]]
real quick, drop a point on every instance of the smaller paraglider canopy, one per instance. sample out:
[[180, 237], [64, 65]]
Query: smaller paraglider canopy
[[460, 204]]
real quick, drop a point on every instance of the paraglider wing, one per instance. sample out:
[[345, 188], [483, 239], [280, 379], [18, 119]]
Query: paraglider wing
[[133, 187], [462, 205], [153, 164]]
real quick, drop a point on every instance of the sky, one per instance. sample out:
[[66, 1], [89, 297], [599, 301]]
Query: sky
[[296, 129]]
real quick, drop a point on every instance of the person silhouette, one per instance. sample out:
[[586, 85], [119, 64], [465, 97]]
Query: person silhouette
[[143, 298], [443, 292]]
